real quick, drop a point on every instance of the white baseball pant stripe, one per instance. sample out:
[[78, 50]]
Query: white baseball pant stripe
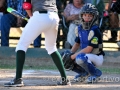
[[38, 23]]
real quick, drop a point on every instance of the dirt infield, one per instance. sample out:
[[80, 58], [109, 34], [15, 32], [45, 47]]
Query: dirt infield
[[40, 78], [46, 80]]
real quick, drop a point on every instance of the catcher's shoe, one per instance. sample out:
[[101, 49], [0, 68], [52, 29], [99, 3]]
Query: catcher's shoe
[[77, 78], [92, 79], [81, 77], [66, 82], [15, 83]]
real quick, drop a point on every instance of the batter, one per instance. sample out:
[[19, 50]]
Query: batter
[[43, 19]]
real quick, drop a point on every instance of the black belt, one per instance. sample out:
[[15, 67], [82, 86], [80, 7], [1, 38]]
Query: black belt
[[43, 11]]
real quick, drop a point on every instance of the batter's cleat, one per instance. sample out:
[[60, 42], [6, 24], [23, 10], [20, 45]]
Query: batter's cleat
[[92, 79], [66, 82], [15, 83]]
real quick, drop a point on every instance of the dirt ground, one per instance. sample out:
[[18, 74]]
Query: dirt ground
[[46, 80]]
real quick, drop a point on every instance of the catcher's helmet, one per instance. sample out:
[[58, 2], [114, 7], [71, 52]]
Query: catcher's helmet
[[88, 8]]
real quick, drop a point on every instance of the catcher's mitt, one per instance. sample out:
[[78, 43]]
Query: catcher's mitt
[[67, 61]]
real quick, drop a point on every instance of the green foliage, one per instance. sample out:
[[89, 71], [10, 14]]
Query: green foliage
[[110, 70]]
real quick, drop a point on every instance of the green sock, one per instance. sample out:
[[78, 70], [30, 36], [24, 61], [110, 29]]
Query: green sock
[[58, 62], [20, 59]]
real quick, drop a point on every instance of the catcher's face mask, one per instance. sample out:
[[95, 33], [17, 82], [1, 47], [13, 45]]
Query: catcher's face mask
[[88, 16]]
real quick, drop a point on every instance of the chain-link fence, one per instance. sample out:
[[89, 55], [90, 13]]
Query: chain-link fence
[[11, 27]]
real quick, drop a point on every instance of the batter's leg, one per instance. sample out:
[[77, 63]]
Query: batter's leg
[[29, 33], [50, 44]]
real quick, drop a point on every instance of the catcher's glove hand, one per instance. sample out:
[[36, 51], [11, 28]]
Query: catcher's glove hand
[[67, 61]]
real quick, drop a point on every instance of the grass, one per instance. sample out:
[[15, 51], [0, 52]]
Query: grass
[[41, 64], [34, 63], [53, 67], [111, 70], [28, 67]]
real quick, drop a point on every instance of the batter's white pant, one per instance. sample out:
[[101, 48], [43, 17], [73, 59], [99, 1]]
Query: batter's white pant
[[95, 59], [71, 34], [38, 23]]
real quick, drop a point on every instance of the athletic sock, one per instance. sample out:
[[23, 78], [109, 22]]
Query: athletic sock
[[20, 59], [58, 62]]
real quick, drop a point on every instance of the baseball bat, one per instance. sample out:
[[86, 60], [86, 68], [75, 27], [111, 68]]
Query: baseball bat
[[16, 13]]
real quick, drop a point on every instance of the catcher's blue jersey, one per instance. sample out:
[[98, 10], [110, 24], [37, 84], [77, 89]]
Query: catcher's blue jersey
[[90, 37]]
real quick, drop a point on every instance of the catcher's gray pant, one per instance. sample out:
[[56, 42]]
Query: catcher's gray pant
[[97, 60], [71, 34], [38, 23]]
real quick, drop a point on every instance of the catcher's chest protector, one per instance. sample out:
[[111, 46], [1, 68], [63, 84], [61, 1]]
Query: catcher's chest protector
[[83, 35]]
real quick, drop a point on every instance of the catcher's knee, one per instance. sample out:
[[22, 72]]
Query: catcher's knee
[[81, 58]]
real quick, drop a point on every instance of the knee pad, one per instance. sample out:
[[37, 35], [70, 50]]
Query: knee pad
[[81, 58], [93, 70]]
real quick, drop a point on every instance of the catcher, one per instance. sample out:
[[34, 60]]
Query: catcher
[[89, 39]]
